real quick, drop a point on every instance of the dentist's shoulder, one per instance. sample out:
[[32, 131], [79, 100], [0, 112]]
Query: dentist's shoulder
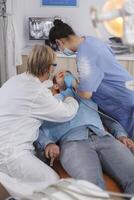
[[45, 106]]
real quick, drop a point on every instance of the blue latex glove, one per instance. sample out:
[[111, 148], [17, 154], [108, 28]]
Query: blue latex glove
[[66, 93], [69, 80]]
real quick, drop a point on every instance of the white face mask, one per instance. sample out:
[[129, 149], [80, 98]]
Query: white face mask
[[49, 83], [68, 52], [50, 76]]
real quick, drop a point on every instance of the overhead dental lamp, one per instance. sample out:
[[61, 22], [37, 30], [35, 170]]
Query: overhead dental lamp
[[117, 17]]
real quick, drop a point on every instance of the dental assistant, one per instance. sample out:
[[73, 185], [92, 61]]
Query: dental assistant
[[26, 101], [102, 78]]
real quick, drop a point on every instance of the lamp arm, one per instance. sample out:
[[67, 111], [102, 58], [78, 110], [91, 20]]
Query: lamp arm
[[109, 15]]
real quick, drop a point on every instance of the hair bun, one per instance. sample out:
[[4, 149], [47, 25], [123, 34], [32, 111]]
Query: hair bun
[[58, 22]]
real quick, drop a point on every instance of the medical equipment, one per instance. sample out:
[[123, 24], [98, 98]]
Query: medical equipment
[[68, 52], [52, 162], [101, 113], [118, 18], [69, 79]]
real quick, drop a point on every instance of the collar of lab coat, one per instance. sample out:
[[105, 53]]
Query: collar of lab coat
[[48, 83]]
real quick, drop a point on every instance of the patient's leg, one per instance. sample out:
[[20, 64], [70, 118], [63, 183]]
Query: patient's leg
[[117, 161], [81, 161]]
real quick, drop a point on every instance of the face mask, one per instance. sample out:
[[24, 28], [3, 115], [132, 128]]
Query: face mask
[[68, 52], [50, 76], [49, 83]]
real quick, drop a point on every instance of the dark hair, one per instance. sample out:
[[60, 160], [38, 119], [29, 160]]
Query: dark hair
[[60, 30]]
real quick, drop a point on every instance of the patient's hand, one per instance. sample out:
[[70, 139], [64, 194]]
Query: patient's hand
[[52, 151], [127, 142]]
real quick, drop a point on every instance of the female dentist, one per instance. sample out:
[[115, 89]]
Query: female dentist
[[102, 78], [26, 101]]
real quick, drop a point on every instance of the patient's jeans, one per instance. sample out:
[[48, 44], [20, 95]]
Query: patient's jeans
[[132, 129], [86, 159]]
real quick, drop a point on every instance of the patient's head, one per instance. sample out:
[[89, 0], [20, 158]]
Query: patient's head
[[59, 83]]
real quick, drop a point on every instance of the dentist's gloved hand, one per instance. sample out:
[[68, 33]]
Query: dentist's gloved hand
[[64, 94], [67, 93], [69, 80]]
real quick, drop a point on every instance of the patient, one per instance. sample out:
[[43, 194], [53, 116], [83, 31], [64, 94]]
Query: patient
[[84, 147]]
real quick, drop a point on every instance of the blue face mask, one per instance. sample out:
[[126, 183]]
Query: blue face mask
[[68, 52]]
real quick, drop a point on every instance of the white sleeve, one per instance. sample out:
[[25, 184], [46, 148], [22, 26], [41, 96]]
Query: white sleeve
[[46, 107]]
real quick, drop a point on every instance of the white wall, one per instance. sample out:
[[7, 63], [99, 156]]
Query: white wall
[[78, 17]]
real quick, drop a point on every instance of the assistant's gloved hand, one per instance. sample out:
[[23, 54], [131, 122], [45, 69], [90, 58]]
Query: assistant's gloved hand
[[66, 93], [69, 80]]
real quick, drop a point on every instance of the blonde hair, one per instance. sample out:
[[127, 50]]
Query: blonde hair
[[40, 60]]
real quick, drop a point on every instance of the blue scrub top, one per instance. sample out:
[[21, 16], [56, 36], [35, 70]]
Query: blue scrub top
[[101, 74]]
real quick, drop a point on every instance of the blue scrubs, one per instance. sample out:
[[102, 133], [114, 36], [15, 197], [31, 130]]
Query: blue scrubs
[[101, 74]]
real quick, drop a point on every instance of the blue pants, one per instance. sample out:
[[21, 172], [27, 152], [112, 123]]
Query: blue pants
[[86, 159]]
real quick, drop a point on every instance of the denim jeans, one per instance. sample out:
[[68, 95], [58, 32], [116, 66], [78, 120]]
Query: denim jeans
[[132, 129], [88, 158]]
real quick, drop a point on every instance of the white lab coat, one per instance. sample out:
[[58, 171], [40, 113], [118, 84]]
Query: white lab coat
[[25, 103]]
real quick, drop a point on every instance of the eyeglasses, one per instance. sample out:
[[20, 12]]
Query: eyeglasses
[[54, 65]]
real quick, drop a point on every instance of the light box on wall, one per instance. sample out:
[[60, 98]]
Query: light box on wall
[[59, 2], [39, 28]]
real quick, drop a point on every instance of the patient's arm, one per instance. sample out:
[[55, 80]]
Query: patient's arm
[[45, 143], [43, 140], [114, 127], [118, 132]]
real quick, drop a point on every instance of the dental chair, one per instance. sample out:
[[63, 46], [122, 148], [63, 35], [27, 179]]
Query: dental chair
[[111, 185], [3, 193]]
